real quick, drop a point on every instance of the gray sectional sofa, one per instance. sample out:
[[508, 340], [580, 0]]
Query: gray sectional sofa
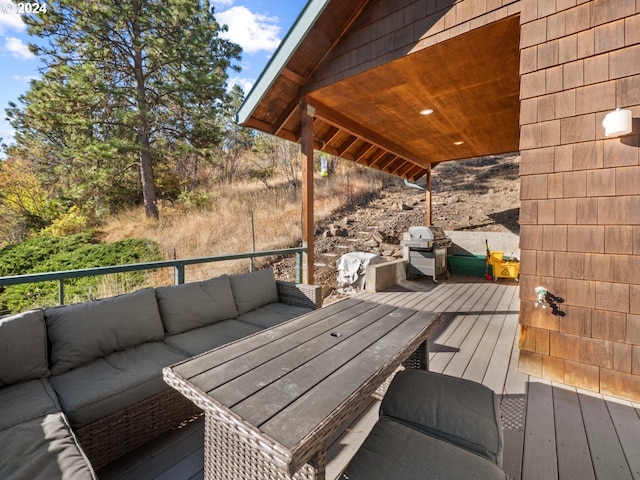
[[81, 385]]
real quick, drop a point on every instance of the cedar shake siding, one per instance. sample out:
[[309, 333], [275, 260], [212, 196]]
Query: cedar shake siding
[[580, 215]]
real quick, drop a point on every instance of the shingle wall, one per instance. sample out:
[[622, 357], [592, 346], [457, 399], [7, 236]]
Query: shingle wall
[[580, 210]]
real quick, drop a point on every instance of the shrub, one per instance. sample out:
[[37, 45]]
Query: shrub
[[68, 223], [52, 254]]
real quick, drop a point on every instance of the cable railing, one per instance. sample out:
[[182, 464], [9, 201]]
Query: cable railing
[[177, 265]]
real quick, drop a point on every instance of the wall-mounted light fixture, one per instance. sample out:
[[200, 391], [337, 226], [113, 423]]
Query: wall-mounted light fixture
[[617, 123]]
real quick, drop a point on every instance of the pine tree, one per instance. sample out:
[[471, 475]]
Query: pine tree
[[124, 83]]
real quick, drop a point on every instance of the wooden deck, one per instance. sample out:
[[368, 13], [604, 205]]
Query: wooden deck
[[551, 431]]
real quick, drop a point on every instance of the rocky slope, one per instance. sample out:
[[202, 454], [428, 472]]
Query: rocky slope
[[478, 195]]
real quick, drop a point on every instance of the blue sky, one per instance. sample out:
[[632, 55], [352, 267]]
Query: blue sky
[[256, 25]]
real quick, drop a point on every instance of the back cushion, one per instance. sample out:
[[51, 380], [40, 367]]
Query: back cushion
[[86, 331], [254, 289], [192, 305], [23, 347]]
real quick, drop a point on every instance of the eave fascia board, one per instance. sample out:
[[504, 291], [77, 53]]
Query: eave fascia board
[[292, 40]]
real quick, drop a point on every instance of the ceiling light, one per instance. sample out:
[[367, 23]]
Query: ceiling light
[[459, 142], [426, 111]]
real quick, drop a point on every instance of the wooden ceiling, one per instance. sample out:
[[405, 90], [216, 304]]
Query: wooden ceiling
[[470, 81]]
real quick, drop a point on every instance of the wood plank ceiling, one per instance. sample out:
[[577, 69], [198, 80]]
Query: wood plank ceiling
[[373, 118]]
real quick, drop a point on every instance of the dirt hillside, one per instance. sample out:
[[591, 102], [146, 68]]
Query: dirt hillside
[[474, 195]]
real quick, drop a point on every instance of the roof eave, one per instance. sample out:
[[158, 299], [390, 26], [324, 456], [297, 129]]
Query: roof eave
[[281, 57]]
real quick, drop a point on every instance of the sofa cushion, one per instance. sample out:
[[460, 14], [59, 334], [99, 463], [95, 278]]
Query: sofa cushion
[[394, 450], [110, 384], [272, 314], [254, 289], [43, 449], [206, 338], [25, 401], [192, 305], [23, 347], [83, 332], [454, 409]]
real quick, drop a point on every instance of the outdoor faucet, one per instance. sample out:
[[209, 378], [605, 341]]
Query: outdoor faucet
[[541, 292], [546, 298]]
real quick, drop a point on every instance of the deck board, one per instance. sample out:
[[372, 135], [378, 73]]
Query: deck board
[[539, 458], [626, 420], [607, 451], [551, 431], [573, 446]]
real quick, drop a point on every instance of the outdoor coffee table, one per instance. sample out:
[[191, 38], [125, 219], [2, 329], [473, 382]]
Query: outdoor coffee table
[[271, 400]]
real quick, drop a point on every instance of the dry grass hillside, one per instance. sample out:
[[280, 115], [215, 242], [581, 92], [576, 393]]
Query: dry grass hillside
[[369, 210], [238, 215]]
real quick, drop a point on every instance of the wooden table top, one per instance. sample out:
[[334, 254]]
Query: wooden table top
[[292, 382]]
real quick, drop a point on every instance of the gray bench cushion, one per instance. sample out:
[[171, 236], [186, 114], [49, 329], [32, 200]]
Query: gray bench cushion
[[86, 331], [110, 384], [202, 339], [25, 401], [396, 451], [457, 410], [43, 449], [272, 314], [254, 289], [193, 305], [23, 347]]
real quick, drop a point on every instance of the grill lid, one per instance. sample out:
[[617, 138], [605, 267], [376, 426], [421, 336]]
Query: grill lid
[[426, 237], [421, 233]]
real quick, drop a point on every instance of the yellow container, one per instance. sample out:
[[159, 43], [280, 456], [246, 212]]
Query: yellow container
[[495, 257], [503, 268]]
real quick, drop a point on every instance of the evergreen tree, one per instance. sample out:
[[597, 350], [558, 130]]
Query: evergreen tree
[[125, 83]]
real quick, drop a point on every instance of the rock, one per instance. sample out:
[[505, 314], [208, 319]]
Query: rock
[[402, 206], [337, 231], [371, 243]]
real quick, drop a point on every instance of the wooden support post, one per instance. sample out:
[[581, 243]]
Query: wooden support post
[[429, 219], [308, 221]]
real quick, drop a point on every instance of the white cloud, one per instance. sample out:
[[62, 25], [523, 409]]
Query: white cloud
[[245, 83], [25, 78], [9, 18], [254, 32], [17, 48], [8, 136]]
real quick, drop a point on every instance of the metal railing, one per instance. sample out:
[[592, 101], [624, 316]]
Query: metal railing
[[178, 266]]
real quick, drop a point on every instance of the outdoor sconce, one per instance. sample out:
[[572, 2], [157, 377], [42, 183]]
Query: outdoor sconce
[[617, 123]]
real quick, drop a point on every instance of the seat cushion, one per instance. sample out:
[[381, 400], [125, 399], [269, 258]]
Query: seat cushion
[[458, 410], [83, 332], [393, 450], [25, 401], [23, 347], [272, 314], [110, 384], [192, 305], [254, 289], [44, 448], [202, 339]]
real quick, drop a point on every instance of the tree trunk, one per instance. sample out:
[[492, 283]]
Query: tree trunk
[[147, 178], [146, 165]]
